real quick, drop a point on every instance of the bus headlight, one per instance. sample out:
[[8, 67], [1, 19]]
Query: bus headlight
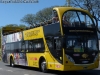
[[70, 58], [95, 57]]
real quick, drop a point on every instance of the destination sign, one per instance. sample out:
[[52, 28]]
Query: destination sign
[[32, 33], [80, 31]]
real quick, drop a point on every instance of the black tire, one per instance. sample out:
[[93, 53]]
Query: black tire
[[11, 62], [43, 66]]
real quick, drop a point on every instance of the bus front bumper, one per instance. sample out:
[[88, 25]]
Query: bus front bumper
[[80, 67]]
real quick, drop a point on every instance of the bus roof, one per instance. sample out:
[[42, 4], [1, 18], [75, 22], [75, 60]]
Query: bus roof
[[69, 8], [9, 30]]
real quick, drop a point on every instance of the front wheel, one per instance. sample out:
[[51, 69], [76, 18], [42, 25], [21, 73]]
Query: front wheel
[[43, 66], [11, 62]]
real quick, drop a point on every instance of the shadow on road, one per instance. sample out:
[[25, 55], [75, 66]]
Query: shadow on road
[[87, 72], [24, 67], [78, 73]]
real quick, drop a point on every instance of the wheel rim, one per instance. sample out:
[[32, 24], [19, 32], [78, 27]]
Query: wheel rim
[[43, 66]]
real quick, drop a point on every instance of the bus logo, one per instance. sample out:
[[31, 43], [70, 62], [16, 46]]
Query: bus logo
[[84, 55]]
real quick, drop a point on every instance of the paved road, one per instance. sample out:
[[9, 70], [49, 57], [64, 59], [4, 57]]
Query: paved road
[[7, 70]]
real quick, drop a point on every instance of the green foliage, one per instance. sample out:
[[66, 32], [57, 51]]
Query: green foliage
[[15, 25], [41, 16], [22, 26], [11, 25], [28, 19], [44, 14]]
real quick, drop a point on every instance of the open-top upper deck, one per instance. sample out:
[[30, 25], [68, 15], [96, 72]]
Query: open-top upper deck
[[9, 30]]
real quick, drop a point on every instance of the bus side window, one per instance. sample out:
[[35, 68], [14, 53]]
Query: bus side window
[[38, 45], [15, 45], [57, 44], [26, 43], [30, 45], [23, 46], [7, 48], [12, 47], [58, 47], [19, 46], [50, 43]]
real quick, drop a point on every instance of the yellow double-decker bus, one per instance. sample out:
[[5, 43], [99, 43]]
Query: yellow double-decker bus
[[69, 43]]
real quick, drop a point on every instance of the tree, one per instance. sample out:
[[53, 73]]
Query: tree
[[15, 25], [22, 26], [11, 25], [28, 19], [44, 14], [41, 16], [93, 6]]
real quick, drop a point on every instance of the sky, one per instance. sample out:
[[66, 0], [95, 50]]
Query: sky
[[12, 13]]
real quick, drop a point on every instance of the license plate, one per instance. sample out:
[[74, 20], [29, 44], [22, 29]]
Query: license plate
[[85, 62]]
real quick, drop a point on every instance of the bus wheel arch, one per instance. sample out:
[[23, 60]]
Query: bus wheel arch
[[42, 64], [11, 61]]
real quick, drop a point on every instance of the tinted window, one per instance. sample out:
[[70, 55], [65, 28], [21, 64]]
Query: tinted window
[[26, 46], [23, 46], [12, 47], [30, 46], [38, 45], [7, 47], [19, 46]]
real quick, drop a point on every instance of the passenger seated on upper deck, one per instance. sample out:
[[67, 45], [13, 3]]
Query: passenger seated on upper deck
[[65, 22], [55, 18]]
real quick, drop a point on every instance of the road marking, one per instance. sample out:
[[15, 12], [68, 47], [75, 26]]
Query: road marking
[[10, 70], [1, 68], [26, 74]]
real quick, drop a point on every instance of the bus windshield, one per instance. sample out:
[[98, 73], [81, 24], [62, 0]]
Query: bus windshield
[[81, 43], [76, 19]]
